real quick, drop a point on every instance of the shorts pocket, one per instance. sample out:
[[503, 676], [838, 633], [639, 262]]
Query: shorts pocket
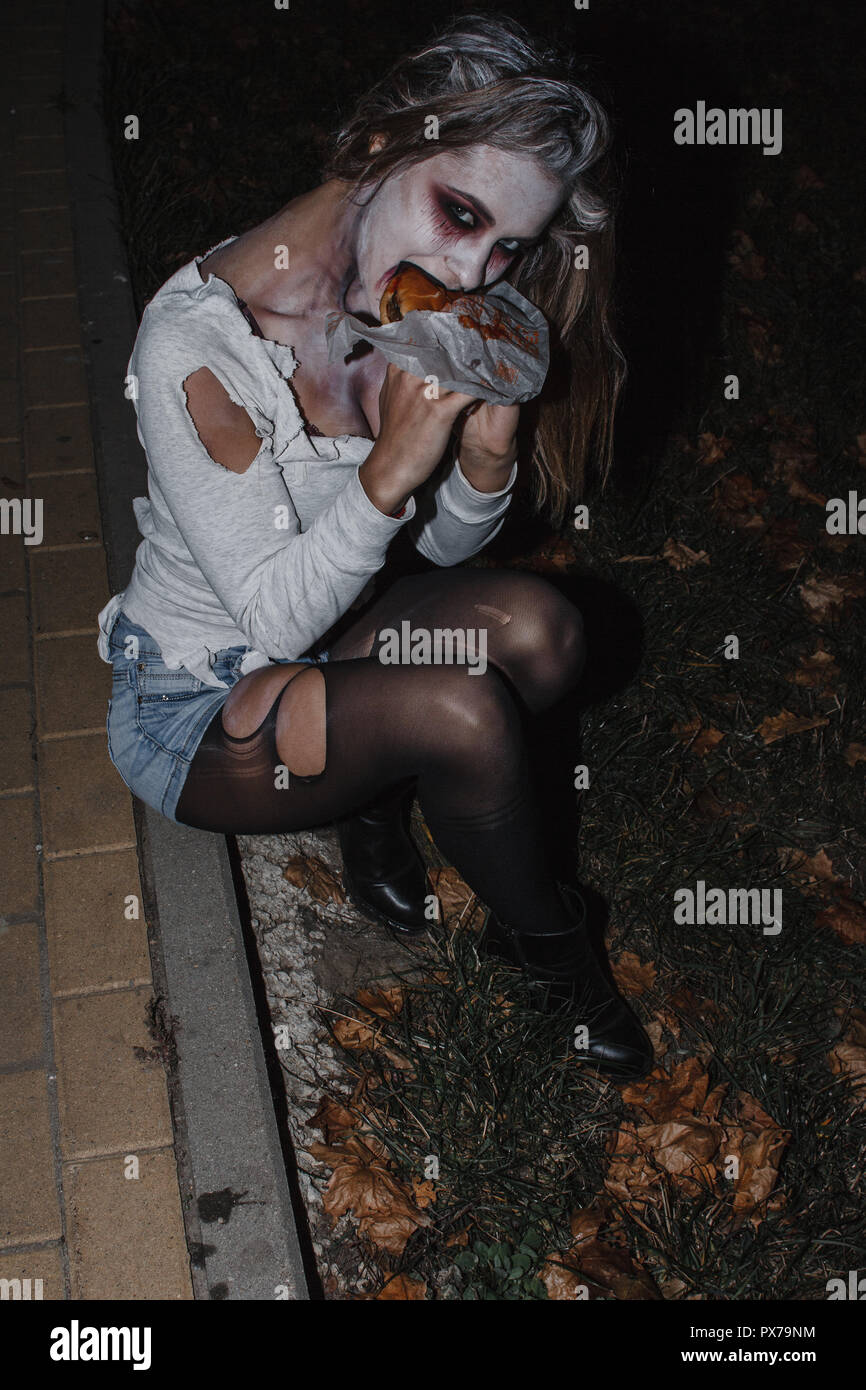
[[161, 685], [165, 704]]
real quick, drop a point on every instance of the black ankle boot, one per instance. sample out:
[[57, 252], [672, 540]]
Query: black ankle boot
[[565, 968], [382, 870]]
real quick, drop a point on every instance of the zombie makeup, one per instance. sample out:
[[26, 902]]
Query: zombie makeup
[[462, 217]]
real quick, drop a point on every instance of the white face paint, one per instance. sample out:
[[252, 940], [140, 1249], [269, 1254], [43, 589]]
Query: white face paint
[[459, 216]]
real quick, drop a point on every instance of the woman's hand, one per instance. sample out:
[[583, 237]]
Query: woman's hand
[[414, 429], [487, 445]]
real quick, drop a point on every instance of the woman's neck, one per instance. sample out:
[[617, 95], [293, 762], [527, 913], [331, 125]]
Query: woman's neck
[[318, 228]]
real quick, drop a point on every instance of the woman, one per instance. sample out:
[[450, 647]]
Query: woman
[[277, 481]]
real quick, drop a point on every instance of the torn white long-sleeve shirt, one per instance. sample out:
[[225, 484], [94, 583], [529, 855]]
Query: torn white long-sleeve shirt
[[269, 558]]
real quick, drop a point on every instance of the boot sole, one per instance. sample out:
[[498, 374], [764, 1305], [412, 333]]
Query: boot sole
[[617, 1078], [397, 929]]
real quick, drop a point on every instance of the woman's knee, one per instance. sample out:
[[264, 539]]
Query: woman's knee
[[569, 639], [546, 633], [470, 713]]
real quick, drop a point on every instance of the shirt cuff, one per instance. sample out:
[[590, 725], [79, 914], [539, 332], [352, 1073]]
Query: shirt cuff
[[467, 502], [365, 530]]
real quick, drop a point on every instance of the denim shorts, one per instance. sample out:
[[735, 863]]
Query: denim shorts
[[157, 717]]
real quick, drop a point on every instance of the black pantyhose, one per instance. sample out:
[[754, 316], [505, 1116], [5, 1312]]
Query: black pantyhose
[[457, 731]]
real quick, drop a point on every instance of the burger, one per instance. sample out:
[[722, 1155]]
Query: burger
[[409, 288]]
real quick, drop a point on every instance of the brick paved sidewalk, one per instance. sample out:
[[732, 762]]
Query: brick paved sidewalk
[[89, 1195]]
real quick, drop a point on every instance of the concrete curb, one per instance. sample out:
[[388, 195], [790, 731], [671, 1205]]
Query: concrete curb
[[238, 1205]]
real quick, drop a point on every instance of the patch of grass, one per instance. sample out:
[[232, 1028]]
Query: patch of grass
[[493, 1094]]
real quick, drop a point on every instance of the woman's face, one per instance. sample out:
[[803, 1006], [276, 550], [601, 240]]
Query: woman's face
[[464, 216]]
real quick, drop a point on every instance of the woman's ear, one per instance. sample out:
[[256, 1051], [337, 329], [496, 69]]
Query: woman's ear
[[376, 143]]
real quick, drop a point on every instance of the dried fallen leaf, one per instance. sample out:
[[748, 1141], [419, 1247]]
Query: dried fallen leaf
[[361, 1183], [854, 1023], [423, 1192], [784, 545], [712, 448], [848, 1055], [311, 874], [758, 333], [332, 1118], [666, 1097], [847, 919], [357, 1035], [687, 1138], [681, 557], [794, 454], [632, 975], [818, 671], [550, 558], [780, 725], [699, 740], [387, 1003], [757, 1142], [798, 489], [803, 225], [855, 753], [847, 1059], [586, 1222], [632, 1177], [706, 807], [685, 1006], [684, 1148], [654, 1030], [613, 1270], [353, 1033], [736, 494], [402, 1287], [826, 600], [362, 1034], [562, 1281], [815, 871], [672, 1288], [460, 907], [745, 259], [390, 1230], [594, 1267]]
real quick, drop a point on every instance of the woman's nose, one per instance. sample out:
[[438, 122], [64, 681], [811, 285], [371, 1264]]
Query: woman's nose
[[466, 270]]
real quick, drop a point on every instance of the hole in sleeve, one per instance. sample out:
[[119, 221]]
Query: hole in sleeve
[[225, 429]]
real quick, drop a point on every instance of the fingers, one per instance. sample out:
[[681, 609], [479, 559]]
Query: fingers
[[461, 396], [399, 380]]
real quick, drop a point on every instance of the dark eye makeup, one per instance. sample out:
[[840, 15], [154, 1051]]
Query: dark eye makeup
[[450, 218]]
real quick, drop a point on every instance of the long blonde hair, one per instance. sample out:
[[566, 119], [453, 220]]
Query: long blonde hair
[[489, 83]]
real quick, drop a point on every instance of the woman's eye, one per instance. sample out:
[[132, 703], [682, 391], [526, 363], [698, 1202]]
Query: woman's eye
[[510, 250], [457, 208]]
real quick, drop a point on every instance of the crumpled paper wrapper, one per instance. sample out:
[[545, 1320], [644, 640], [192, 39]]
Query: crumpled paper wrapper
[[503, 370]]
